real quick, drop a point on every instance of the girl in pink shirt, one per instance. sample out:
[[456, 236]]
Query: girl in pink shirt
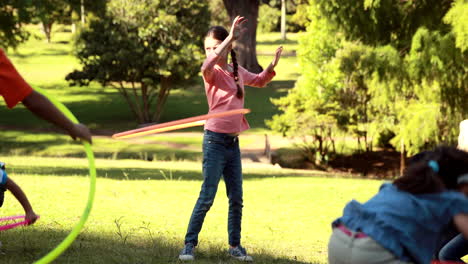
[[224, 87]]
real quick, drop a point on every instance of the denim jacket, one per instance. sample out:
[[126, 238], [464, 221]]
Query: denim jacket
[[407, 225]]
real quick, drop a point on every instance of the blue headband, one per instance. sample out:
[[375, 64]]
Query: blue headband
[[434, 165]]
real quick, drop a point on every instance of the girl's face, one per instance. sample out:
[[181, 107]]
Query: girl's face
[[211, 44]]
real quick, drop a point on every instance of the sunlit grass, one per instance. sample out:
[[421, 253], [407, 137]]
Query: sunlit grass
[[268, 42], [141, 212]]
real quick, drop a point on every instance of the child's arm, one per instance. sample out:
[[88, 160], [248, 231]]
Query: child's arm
[[263, 78], [273, 64], [43, 108], [461, 222], [10, 185], [225, 46]]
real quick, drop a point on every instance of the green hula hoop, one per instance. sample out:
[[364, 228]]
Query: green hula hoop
[[92, 189]]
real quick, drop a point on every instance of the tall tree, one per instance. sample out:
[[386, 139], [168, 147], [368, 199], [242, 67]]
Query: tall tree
[[283, 19], [246, 46], [13, 14], [48, 12], [393, 68], [144, 49]]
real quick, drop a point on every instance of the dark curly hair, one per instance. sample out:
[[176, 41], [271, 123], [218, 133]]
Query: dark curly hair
[[422, 176]]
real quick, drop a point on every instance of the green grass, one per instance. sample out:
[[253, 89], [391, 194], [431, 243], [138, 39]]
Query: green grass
[[141, 212], [269, 41]]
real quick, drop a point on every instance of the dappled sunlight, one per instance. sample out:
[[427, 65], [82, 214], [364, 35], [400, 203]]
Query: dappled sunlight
[[136, 219]]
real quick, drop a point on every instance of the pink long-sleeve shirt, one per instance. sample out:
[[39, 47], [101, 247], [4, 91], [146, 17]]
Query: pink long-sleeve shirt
[[221, 90]]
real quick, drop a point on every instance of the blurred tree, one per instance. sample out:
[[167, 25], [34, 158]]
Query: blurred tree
[[310, 110], [246, 45], [390, 67], [82, 8], [48, 12], [377, 22], [283, 19], [143, 48], [219, 15], [268, 20], [431, 93], [296, 14], [13, 14]]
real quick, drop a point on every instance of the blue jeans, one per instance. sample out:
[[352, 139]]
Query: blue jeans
[[221, 156], [455, 249]]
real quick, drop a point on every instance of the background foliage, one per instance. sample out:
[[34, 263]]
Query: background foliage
[[376, 68], [143, 49]]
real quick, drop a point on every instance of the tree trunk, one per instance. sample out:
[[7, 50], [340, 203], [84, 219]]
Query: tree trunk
[[82, 10], [47, 29], [73, 28], [283, 19], [402, 158], [164, 91], [246, 45]]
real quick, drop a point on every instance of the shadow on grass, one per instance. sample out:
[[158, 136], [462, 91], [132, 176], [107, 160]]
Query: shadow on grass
[[25, 245], [282, 84], [135, 173], [277, 42], [48, 52], [45, 148]]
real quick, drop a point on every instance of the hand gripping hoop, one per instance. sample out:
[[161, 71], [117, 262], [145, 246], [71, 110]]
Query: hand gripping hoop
[[92, 189]]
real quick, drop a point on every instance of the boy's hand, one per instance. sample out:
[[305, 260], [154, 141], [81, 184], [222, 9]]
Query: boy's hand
[[31, 217], [81, 131]]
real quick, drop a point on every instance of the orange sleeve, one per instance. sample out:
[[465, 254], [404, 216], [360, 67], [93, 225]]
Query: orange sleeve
[[13, 87]]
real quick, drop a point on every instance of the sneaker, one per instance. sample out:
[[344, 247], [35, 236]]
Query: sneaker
[[239, 253], [187, 252]]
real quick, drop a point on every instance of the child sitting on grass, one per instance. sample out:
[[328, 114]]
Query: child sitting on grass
[[402, 222], [8, 184]]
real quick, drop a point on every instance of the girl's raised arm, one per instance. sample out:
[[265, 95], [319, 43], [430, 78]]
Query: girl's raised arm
[[236, 31], [273, 64]]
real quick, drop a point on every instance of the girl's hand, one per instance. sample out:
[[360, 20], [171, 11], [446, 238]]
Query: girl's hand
[[273, 64], [277, 56], [237, 27]]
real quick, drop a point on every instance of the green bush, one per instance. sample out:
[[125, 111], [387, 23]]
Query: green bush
[[143, 49], [268, 19]]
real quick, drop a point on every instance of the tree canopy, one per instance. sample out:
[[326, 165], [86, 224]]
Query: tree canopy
[[13, 14], [144, 49], [375, 68]]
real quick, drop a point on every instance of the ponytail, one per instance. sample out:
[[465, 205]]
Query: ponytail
[[239, 93], [420, 178], [434, 171]]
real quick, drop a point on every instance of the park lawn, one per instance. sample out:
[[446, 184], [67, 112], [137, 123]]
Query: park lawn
[[141, 211], [176, 146], [142, 208], [45, 65]]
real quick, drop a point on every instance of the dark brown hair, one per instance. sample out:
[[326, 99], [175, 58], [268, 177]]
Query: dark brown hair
[[434, 171], [220, 33]]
